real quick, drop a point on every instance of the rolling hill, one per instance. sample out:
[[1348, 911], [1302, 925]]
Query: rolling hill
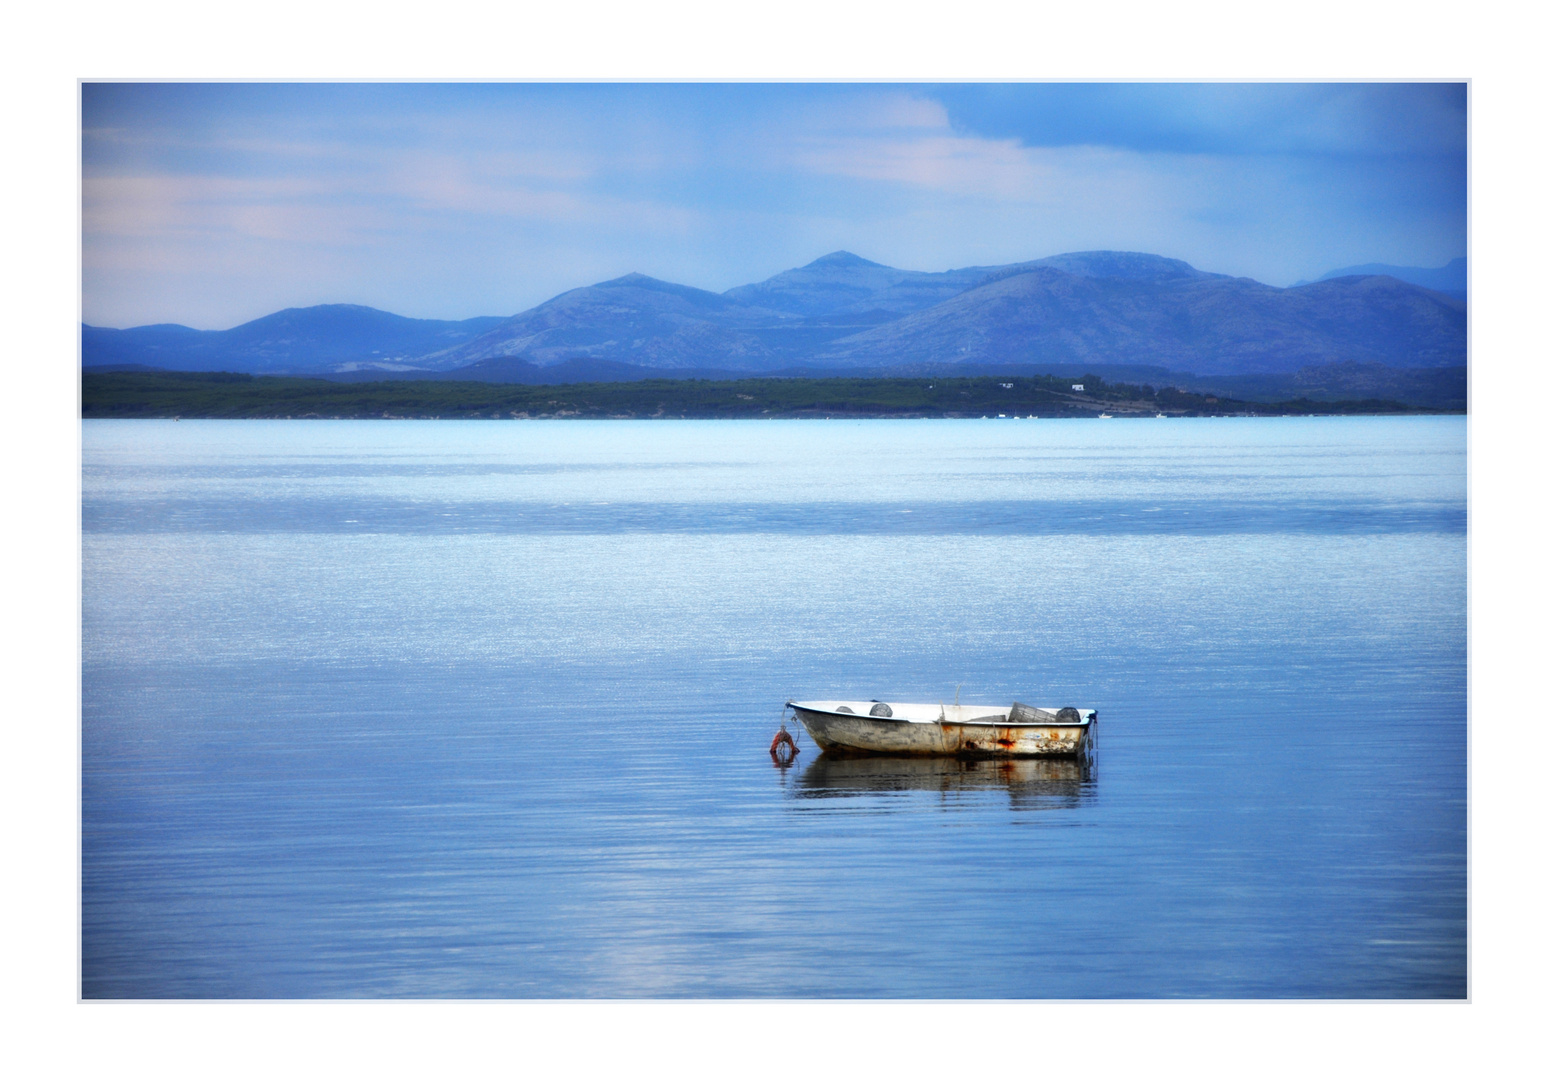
[[329, 337], [1216, 326], [1451, 280]]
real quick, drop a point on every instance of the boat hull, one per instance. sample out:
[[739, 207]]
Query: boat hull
[[854, 734]]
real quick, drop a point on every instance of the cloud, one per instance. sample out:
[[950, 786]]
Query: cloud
[[1230, 119], [966, 166], [397, 195], [293, 209]]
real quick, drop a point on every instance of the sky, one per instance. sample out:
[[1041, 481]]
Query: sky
[[209, 204]]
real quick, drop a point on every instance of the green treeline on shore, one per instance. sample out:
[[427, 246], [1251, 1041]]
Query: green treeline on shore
[[235, 396]]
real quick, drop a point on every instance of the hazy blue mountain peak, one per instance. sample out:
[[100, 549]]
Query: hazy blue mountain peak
[[337, 308], [159, 328], [1451, 279], [650, 284], [838, 282], [1130, 265], [633, 279], [295, 339], [324, 310], [843, 258], [321, 318]]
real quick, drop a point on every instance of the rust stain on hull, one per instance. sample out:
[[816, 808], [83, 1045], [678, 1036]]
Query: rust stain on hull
[[979, 740]]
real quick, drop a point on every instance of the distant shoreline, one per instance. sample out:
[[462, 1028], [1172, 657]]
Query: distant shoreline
[[223, 395]]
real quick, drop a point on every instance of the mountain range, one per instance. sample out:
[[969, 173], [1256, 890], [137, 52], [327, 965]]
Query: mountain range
[[1451, 280], [844, 313]]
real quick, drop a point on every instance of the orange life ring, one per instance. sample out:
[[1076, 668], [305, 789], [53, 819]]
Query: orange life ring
[[784, 748]]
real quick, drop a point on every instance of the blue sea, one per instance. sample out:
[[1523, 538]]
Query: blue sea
[[483, 708]]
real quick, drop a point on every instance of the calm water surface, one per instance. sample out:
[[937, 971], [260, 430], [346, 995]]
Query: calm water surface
[[483, 708]]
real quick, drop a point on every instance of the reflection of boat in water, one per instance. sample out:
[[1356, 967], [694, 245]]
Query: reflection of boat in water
[[880, 727], [1032, 783]]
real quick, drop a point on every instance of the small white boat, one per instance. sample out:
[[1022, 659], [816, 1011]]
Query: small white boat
[[1105, 416], [890, 727]]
